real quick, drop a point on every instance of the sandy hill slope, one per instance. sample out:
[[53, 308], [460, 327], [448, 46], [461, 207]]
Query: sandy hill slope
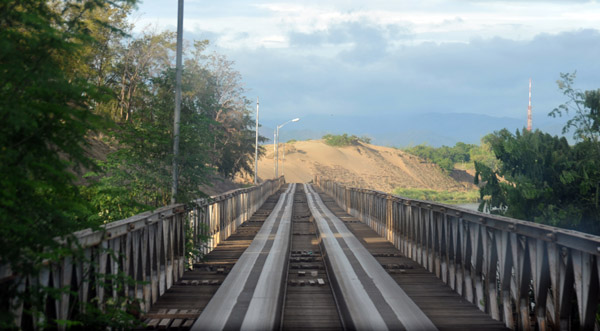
[[361, 165]]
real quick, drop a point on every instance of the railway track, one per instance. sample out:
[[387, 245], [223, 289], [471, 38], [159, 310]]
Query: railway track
[[368, 297], [309, 300], [306, 270]]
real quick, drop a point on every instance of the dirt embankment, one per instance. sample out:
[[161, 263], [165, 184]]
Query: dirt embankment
[[361, 165]]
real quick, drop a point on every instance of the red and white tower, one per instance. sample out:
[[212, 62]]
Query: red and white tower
[[529, 109]]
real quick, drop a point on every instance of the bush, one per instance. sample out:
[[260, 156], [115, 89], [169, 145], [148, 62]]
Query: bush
[[446, 157], [448, 197], [344, 140]]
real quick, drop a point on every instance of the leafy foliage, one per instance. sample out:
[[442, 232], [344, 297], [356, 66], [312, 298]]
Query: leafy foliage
[[585, 108], [448, 197], [215, 132], [138, 174], [344, 140], [70, 69], [483, 153], [546, 180], [444, 156], [45, 106], [233, 145]]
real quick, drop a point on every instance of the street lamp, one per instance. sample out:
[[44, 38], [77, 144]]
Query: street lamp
[[276, 144], [256, 147]]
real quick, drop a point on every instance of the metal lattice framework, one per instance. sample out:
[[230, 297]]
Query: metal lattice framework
[[526, 274], [148, 248]]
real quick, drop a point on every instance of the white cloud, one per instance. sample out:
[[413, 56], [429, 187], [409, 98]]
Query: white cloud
[[269, 24], [391, 58]]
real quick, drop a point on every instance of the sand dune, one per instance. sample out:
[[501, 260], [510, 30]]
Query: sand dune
[[361, 165]]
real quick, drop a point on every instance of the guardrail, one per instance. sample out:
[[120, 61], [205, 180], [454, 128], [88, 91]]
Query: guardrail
[[148, 248], [525, 274]]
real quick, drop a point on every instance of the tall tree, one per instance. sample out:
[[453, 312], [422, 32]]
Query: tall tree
[[546, 180], [233, 148], [583, 106], [137, 175], [45, 112]]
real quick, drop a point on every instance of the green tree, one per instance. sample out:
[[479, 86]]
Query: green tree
[[233, 144], [45, 111], [445, 157], [584, 108], [484, 154], [533, 165], [545, 179], [137, 176], [215, 134]]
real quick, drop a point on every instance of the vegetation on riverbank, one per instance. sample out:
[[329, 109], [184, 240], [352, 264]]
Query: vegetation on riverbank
[[465, 154], [447, 197]]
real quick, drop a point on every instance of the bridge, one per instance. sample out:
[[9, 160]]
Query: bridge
[[324, 256]]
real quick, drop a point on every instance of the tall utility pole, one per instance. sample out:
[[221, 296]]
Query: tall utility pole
[[529, 109], [275, 151], [277, 154], [177, 99], [256, 147]]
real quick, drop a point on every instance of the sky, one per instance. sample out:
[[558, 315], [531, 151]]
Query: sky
[[401, 72]]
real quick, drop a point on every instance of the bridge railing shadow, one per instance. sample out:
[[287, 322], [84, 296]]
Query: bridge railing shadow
[[137, 258], [528, 275]]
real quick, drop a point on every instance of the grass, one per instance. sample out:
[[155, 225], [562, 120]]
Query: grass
[[447, 197]]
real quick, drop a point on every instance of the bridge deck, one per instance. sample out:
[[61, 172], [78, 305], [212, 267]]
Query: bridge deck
[[446, 309], [182, 304]]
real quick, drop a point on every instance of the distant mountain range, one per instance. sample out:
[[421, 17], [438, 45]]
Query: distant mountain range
[[435, 129]]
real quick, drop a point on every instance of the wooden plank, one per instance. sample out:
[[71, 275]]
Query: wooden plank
[[152, 324], [176, 323], [164, 323]]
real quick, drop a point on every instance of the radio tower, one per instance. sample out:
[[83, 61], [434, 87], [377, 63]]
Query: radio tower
[[529, 109]]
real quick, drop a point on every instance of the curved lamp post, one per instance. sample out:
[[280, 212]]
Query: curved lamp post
[[276, 145]]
